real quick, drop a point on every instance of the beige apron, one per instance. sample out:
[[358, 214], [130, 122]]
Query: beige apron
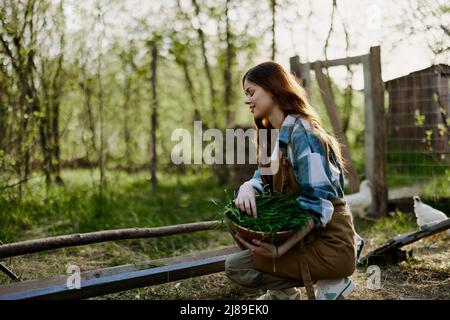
[[325, 253]]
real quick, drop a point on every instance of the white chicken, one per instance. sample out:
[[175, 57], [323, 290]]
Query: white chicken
[[427, 215], [358, 202]]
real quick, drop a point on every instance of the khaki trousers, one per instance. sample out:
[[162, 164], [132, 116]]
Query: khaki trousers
[[240, 268]]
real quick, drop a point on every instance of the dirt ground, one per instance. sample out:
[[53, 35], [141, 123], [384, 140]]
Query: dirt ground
[[425, 276]]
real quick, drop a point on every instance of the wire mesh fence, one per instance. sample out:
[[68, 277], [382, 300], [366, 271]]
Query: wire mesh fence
[[418, 120]]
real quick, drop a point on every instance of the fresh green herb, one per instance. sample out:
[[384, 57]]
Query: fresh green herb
[[275, 213]]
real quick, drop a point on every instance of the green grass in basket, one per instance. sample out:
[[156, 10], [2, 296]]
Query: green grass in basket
[[274, 214]]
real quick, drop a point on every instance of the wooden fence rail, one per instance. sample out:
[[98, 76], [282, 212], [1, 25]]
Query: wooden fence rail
[[79, 239], [120, 278]]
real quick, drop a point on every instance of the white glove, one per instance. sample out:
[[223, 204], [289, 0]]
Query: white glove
[[245, 200]]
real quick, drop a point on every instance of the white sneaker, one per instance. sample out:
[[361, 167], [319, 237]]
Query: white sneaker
[[280, 295], [334, 289]]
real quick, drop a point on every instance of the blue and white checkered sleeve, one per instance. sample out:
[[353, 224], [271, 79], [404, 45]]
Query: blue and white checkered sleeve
[[256, 181], [315, 185]]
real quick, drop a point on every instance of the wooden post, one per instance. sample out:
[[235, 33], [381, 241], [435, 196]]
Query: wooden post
[[375, 123], [306, 77], [302, 72], [294, 63], [328, 99]]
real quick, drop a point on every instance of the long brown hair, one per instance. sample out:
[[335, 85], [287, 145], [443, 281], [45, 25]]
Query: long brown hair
[[292, 99]]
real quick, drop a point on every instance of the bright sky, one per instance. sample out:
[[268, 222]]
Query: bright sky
[[368, 23]]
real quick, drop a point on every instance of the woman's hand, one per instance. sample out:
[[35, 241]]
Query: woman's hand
[[261, 248], [271, 251], [245, 201]]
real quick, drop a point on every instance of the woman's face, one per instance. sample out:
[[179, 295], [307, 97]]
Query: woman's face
[[259, 100]]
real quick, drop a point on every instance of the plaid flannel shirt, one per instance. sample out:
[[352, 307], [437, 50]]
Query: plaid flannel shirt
[[319, 181]]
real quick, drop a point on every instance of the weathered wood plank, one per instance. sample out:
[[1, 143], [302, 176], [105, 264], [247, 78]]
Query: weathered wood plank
[[341, 61], [328, 99], [120, 278], [79, 239], [392, 246]]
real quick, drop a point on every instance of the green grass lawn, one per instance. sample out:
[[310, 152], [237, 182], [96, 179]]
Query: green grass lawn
[[127, 201], [404, 169]]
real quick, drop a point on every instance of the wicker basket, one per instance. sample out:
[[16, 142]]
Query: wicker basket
[[249, 235]]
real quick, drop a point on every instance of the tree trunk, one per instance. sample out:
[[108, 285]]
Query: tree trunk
[[228, 96], [207, 67], [57, 91], [154, 119], [273, 4]]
